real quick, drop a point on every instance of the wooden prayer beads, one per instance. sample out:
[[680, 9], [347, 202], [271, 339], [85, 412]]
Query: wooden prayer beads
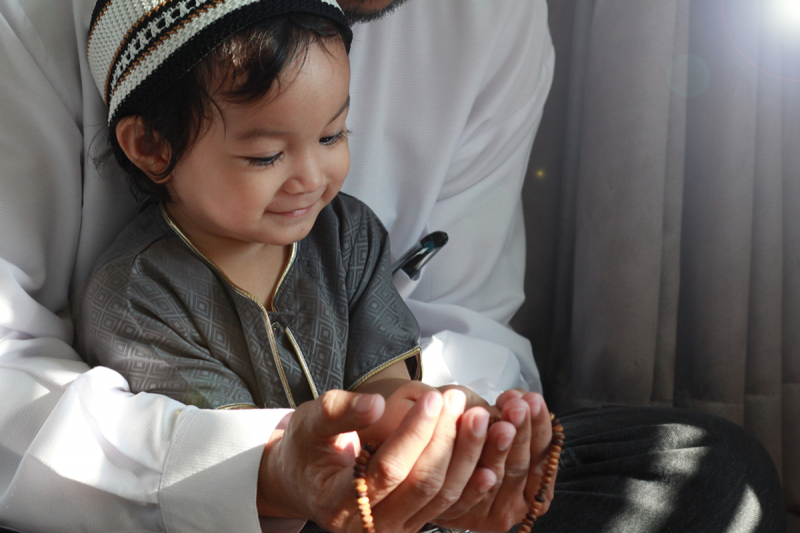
[[553, 456], [534, 510], [360, 484]]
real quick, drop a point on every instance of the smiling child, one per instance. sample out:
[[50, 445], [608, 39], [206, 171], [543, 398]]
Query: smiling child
[[247, 280]]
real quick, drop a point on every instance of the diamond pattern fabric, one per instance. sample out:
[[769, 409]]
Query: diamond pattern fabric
[[169, 321]]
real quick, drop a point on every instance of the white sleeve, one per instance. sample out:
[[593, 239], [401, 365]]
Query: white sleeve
[[457, 148], [78, 451]]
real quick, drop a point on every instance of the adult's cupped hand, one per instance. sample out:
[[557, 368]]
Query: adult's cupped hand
[[440, 464]]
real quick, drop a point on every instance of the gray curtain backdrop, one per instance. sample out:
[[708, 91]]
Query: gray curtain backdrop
[[663, 215]]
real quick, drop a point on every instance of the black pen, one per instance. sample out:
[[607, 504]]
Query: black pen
[[418, 256]]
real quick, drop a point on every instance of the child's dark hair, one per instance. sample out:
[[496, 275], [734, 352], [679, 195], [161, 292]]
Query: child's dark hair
[[249, 63]]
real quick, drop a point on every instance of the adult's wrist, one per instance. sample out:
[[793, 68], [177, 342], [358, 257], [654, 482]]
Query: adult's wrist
[[274, 495]]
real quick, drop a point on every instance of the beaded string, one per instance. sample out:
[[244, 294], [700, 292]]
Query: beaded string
[[360, 483], [553, 456], [534, 509]]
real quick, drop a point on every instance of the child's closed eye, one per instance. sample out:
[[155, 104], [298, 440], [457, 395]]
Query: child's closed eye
[[262, 162], [333, 139]]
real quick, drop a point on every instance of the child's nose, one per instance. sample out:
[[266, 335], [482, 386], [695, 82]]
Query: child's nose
[[307, 176]]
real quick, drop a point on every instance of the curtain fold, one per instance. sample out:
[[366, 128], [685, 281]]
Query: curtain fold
[[663, 215]]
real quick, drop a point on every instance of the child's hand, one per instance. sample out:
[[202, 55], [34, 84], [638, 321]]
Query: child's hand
[[397, 405], [473, 400]]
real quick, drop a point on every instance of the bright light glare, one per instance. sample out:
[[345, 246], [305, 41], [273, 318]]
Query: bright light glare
[[787, 13]]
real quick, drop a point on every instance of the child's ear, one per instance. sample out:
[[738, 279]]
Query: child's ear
[[150, 157]]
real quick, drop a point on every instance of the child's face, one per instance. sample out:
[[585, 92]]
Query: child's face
[[263, 171]]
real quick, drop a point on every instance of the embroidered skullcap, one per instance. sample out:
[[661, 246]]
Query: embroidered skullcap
[[138, 48]]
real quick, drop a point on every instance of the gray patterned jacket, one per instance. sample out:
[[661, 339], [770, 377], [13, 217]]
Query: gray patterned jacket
[[171, 322]]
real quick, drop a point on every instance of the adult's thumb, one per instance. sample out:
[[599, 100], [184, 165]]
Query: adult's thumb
[[338, 411]]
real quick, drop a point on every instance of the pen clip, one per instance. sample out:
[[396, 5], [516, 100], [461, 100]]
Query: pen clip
[[418, 256]]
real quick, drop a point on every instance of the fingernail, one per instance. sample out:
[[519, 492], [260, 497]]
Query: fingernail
[[536, 406], [455, 400], [516, 416], [485, 486], [433, 404], [480, 424], [504, 442], [363, 403]]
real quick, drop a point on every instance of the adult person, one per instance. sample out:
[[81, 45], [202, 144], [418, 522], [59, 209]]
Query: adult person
[[453, 128], [456, 85], [78, 452]]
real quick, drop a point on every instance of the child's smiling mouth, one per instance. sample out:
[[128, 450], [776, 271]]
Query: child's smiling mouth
[[294, 212]]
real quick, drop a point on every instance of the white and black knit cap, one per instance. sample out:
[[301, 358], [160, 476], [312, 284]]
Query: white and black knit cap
[[139, 48]]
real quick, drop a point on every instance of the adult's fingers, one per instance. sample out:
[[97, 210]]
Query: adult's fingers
[[500, 439], [337, 412], [505, 504], [425, 482], [541, 436], [463, 486], [507, 395], [398, 455], [477, 480], [509, 504], [507, 453], [306, 473], [397, 407]]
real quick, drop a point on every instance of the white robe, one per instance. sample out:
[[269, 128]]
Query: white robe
[[446, 98]]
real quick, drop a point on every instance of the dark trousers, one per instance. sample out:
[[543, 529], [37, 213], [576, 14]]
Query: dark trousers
[[630, 470], [654, 470]]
